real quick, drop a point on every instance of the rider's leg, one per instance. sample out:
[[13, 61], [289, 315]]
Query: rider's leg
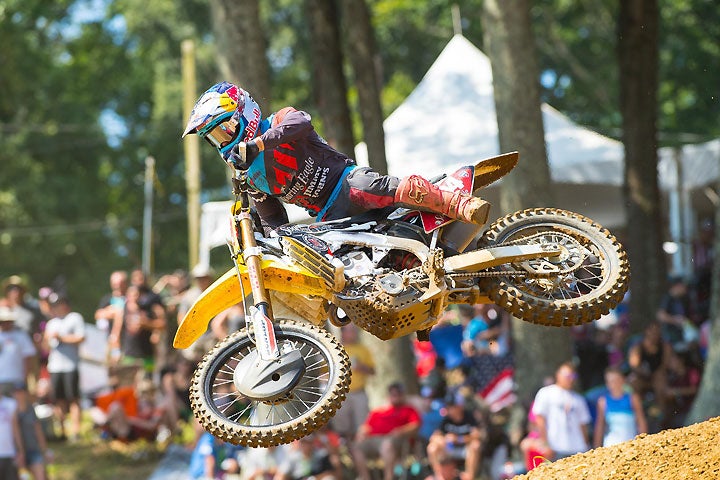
[[366, 189], [418, 193]]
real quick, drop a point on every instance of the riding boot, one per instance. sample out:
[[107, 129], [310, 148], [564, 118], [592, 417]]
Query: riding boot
[[418, 193]]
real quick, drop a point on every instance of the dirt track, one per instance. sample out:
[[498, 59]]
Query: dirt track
[[685, 453]]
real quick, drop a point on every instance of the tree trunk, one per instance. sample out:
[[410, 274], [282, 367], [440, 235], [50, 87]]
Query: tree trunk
[[638, 60], [241, 46], [360, 44], [329, 86], [706, 403], [510, 45], [394, 362]]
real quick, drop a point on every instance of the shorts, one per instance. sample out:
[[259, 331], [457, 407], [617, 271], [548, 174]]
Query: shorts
[[371, 445], [352, 413], [65, 385], [34, 457]]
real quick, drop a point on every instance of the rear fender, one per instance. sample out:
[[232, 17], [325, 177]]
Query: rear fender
[[225, 292]]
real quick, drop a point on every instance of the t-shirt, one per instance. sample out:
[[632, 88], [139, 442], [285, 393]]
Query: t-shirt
[[15, 347], [620, 419], [8, 406], [386, 419], [565, 412], [461, 427], [65, 357]]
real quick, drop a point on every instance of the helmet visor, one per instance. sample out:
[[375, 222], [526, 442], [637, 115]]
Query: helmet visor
[[222, 134]]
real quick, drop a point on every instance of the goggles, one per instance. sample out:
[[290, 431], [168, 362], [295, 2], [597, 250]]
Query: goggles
[[223, 133]]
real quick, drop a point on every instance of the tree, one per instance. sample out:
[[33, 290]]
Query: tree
[[241, 47], [638, 60], [706, 403], [329, 85], [360, 45], [510, 45]]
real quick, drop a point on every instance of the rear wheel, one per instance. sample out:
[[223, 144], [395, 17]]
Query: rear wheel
[[580, 285], [234, 417]]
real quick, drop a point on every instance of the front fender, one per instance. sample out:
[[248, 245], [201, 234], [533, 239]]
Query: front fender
[[225, 292]]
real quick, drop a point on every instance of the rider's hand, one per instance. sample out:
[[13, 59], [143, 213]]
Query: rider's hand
[[252, 150], [235, 159]]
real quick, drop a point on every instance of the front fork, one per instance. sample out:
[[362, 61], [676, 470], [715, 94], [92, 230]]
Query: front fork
[[260, 312]]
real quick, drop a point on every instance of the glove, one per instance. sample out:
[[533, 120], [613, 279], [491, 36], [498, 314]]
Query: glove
[[235, 158]]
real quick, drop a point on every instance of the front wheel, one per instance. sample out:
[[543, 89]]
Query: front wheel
[[230, 415], [580, 285]]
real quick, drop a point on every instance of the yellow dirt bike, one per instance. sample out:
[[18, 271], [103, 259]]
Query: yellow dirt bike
[[392, 272]]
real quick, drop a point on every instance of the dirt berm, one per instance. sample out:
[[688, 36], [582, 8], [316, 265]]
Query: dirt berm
[[685, 453]]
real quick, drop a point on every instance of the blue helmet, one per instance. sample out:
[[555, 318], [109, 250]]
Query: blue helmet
[[225, 115]]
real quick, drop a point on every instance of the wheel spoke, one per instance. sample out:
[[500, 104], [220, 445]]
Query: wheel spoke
[[311, 389]]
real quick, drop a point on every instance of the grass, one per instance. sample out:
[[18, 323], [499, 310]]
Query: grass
[[93, 458]]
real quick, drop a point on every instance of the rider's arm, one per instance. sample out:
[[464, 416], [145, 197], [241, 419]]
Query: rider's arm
[[271, 210], [288, 125]]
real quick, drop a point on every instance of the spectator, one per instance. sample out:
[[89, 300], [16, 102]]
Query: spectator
[[261, 463], [355, 408], [12, 454], [674, 312], [387, 431], [226, 322], [115, 300], [131, 336], [562, 415], [591, 352], [486, 330], [304, 461], [63, 335], [33, 438], [153, 305], [132, 413], [175, 382], [447, 470], [683, 381], [620, 415], [209, 456], [459, 436], [534, 449], [16, 352], [203, 276], [27, 316], [647, 360], [171, 287]]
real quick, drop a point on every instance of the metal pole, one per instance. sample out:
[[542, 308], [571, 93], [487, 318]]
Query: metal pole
[[192, 153], [147, 216]]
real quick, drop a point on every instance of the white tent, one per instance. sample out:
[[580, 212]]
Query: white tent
[[449, 120]]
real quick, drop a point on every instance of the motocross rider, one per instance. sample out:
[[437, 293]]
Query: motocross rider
[[287, 160]]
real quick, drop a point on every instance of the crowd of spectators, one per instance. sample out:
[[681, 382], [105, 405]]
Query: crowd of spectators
[[461, 425]]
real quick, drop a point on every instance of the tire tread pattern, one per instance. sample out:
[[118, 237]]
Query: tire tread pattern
[[267, 436], [559, 313]]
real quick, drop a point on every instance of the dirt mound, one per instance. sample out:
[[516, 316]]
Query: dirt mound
[[689, 452]]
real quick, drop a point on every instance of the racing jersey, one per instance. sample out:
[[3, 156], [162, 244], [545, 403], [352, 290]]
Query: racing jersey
[[297, 166]]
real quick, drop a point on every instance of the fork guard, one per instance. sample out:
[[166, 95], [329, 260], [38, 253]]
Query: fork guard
[[225, 292]]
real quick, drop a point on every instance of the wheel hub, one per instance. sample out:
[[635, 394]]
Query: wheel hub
[[268, 380]]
